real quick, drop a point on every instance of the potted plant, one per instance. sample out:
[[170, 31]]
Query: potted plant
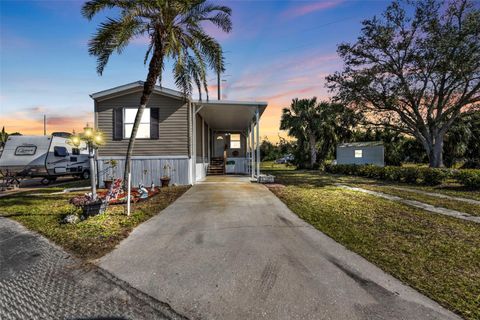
[[89, 206], [165, 179], [112, 165]]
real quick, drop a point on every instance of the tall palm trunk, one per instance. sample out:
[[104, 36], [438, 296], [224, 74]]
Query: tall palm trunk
[[154, 70]]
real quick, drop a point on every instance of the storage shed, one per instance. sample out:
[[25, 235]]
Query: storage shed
[[371, 152]]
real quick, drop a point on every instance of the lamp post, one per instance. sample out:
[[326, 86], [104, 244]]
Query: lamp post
[[93, 139]]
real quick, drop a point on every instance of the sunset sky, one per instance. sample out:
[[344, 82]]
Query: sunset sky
[[278, 50]]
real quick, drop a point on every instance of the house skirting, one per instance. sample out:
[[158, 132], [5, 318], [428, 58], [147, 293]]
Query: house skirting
[[201, 171], [146, 170]]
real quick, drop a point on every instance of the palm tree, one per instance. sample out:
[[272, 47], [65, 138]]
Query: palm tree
[[335, 124], [3, 137], [301, 120], [175, 32]]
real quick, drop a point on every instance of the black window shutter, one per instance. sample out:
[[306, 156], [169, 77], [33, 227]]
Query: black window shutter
[[117, 124], [154, 116]]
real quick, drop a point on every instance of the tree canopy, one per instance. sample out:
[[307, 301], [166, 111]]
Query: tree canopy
[[318, 127], [415, 71]]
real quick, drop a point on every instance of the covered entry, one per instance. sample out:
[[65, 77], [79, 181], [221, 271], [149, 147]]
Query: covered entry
[[226, 138]]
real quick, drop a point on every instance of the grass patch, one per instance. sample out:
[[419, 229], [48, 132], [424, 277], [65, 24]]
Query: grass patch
[[42, 211], [437, 255], [271, 165]]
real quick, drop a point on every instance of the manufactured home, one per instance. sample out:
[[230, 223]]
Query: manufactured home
[[183, 138], [371, 152]]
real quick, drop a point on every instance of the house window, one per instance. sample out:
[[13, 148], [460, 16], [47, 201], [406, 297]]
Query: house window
[[129, 119], [358, 153], [235, 141]]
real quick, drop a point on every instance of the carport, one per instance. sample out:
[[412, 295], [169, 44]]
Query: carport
[[223, 132]]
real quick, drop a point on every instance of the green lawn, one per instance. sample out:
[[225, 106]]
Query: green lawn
[[437, 255], [42, 212]]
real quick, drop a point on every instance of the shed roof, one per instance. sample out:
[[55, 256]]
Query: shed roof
[[361, 144]]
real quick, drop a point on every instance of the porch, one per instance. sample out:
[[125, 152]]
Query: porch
[[226, 138]]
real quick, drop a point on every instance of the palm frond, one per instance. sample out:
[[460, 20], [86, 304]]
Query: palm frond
[[91, 8], [218, 15], [112, 35], [182, 76]]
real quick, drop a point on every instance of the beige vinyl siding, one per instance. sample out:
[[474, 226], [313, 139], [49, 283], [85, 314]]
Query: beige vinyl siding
[[173, 126]]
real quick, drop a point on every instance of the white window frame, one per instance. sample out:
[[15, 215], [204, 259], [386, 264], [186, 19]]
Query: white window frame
[[239, 141], [358, 153], [126, 123]]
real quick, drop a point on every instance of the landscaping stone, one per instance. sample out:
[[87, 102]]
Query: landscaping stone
[[71, 218]]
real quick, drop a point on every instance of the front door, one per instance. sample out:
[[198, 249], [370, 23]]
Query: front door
[[219, 145]]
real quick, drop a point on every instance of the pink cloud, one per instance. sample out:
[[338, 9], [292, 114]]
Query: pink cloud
[[285, 74], [288, 93], [299, 11]]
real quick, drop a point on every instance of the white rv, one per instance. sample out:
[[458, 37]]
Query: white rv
[[48, 156]]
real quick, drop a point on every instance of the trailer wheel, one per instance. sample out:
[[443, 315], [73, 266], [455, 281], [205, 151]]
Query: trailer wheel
[[45, 181], [85, 175]]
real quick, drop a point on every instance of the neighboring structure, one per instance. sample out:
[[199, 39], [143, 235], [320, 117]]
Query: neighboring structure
[[49, 156], [361, 153], [178, 133]]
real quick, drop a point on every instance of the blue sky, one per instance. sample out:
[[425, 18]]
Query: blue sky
[[278, 50]]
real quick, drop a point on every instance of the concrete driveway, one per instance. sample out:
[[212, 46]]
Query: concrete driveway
[[229, 249]]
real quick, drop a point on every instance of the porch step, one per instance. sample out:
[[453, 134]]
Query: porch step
[[216, 170], [216, 166], [216, 161]]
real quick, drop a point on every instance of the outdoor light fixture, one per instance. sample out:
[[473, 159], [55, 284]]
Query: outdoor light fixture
[[88, 131], [75, 139], [93, 140]]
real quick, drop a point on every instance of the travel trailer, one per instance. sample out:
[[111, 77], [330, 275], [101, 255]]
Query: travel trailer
[[47, 156]]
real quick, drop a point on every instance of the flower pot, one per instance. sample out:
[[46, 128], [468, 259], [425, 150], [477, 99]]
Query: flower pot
[[107, 183], [93, 209], [165, 182]]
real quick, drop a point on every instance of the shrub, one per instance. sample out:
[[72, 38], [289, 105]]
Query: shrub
[[392, 173], [468, 177], [471, 164], [410, 174], [429, 176], [434, 176]]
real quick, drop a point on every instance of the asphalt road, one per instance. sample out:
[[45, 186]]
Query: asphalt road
[[38, 280], [229, 249]]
